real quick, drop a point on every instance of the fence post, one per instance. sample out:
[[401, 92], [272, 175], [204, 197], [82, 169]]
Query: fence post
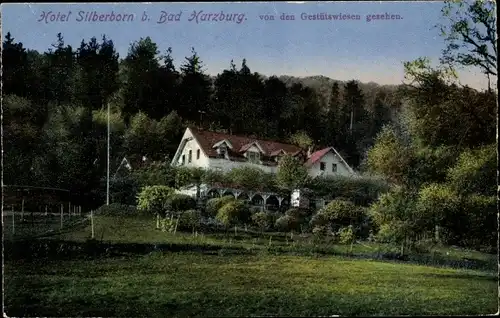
[[176, 223], [13, 222], [69, 208], [22, 210], [92, 221], [62, 209], [45, 210]]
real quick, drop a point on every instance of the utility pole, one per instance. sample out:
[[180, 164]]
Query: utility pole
[[107, 179]]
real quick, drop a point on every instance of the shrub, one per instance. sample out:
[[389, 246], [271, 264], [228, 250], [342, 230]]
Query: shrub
[[213, 205], [262, 220], [190, 219], [179, 202], [287, 223], [152, 199], [340, 213], [361, 191], [346, 235], [123, 190], [233, 213]]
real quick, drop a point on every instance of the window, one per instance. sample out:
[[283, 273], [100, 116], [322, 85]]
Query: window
[[334, 167], [222, 150], [253, 157], [190, 155], [197, 154], [322, 166], [183, 159]]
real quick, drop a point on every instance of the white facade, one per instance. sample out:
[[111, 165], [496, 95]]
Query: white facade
[[329, 165], [190, 154]]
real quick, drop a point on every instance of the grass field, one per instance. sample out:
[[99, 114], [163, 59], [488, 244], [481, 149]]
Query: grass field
[[175, 284]]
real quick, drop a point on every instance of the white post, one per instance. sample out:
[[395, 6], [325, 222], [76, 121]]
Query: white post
[[22, 210], [13, 222], [92, 221], [107, 179], [176, 223], [69, 208], [157, 221], [45, 210], [62, 209]]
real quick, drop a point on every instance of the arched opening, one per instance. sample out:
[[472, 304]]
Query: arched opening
[[257, 200], [228, 193], [213, 193], [272, 203], [244, 197]]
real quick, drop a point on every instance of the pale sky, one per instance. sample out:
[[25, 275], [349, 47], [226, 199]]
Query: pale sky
[[340, 49]]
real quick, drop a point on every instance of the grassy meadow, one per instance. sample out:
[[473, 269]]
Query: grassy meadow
[[247, 274]]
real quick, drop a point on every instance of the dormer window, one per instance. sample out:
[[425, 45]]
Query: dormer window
[[253, 157], [222, 150]]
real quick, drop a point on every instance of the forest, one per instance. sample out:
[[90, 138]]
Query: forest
[[56, 108]]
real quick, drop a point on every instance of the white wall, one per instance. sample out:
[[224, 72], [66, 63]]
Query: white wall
[[193, 146], [329, 159]]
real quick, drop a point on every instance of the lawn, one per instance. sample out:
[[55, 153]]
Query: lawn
[[246, 274], [193, 284], [142, 230]]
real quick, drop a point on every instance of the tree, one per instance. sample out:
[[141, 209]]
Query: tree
[[470, 35], [98, 72], [339, 213], [153, 199], [390, 157], [475, 171], [168, 91], [14, 67], [443, 114], [334, 116], [232, 213], [291, 173], [396, 218], [247, 178], [301, 139], [60, 72], [195, 89], [141, 89]]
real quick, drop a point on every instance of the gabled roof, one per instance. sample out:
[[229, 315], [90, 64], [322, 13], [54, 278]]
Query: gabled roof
[[316, 156], [250, 144], [207, 139], [224, 141]]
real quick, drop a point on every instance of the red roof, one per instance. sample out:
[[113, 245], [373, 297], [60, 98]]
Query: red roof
[[207, 139], [315, 156]]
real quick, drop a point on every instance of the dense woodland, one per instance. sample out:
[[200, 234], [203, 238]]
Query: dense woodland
[[431, 137], [56, 108]]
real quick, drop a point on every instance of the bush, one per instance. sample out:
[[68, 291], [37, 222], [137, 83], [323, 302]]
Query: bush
[[339, 213], [361, 191], [179, 202], [213, 205], [287, 223], [117, 209], [123, 190], [233, 213], [262, 220], [152, 199], [190, 219], [346, 235]]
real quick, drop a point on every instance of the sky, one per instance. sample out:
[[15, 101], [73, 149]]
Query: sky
[[352, 48]]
